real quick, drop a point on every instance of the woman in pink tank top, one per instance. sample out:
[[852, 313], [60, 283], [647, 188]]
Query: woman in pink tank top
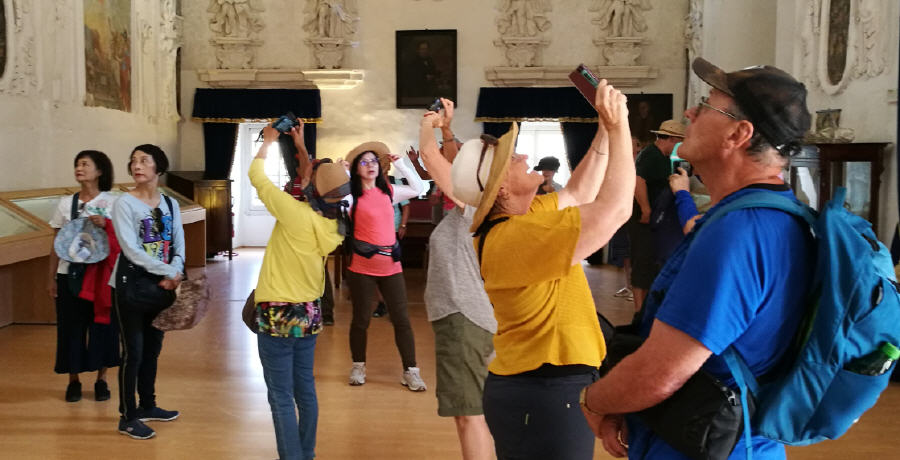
[[375, 257]]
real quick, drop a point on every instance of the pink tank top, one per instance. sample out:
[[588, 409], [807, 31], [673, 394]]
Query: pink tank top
[[373, 222]]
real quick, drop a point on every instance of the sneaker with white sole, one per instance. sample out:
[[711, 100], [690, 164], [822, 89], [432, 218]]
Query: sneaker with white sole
[[412, 379], [156, 414], [624, 292], [358, 374], [136, 429]]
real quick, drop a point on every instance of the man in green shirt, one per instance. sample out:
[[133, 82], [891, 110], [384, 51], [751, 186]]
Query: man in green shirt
[[653, 168]]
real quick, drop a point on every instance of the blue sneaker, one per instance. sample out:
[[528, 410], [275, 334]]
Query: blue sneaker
[[136, 429], [156, 414]]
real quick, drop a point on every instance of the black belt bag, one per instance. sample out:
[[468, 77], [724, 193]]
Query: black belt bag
[[139, 288], [703, 419]]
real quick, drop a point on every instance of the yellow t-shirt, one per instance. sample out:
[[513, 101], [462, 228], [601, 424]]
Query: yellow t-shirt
[[293, 268], [543, 304]]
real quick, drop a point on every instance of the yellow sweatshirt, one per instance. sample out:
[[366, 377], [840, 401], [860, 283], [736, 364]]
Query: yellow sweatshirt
[[293, 268]]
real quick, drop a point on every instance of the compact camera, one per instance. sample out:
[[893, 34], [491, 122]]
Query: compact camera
[[436, 106], [683, 164], [285, 123]]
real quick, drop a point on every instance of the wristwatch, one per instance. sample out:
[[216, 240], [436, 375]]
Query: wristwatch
[[582, 401]]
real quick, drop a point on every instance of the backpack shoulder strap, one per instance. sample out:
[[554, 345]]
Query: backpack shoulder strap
[[483, 230], [766, 200], [172, 214], [73, 214]]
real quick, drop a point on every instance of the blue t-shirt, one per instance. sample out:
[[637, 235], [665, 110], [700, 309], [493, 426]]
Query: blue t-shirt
[[742, 283]]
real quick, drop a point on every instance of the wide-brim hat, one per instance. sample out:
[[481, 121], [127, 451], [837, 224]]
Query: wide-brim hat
[[477, 176], [670, 128], [82, 242], [378, 148], [332, 182]]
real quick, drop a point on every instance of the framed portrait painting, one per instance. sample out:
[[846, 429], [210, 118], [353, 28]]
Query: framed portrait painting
[[426, 67], [646, 112]]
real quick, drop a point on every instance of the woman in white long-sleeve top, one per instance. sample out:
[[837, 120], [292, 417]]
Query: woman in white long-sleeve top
[[375, 259], [148, 227]]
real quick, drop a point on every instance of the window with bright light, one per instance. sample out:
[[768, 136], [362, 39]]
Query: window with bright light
[[274, 167], [539, 139]]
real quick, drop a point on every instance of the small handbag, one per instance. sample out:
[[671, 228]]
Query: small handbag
[[190, 306], [248, 313], [138, 288]]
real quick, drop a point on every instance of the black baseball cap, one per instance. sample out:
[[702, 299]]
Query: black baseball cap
[[547, 164], [773, 100]]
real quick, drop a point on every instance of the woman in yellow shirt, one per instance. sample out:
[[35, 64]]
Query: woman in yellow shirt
[[548, 341]]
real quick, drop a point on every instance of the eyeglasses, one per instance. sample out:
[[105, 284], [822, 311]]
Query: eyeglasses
[[704, 102], [366, 162]]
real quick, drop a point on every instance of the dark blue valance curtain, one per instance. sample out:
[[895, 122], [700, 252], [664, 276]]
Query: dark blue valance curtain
[[221, 110]]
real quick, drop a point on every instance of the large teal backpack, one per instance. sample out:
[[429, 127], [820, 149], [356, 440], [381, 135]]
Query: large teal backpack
[[854, 308]]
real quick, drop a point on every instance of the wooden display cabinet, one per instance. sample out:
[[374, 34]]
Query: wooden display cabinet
[[215, 196]]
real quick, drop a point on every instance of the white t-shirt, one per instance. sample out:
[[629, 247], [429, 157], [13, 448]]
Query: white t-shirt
[[101, 205]]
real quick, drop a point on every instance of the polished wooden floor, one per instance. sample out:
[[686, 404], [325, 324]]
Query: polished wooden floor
[[212, 375]]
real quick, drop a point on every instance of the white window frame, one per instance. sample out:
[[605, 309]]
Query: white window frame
[[275, 169], [533, 134]]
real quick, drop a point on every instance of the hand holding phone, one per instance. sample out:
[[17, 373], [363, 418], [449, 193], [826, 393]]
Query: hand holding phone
[[586, 82], [436, 106]]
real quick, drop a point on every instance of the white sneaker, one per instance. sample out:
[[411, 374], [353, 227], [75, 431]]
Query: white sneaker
[[624, 292], [358, 374], [412, 379]]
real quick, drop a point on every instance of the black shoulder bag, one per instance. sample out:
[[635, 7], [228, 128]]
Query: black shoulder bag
[[138, 288]]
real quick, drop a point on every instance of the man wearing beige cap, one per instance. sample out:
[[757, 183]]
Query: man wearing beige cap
[[653, 169]]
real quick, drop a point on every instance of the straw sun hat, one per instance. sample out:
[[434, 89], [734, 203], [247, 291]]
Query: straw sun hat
[[378, 148], [478, 171]]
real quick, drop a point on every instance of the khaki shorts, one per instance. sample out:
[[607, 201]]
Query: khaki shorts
[[462, 351]]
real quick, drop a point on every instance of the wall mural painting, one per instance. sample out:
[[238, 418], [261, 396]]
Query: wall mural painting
[[2, 38], [107, 53], [838, 33]]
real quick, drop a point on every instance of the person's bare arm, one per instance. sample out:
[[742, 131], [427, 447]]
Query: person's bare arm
[[663, 363], [431, 155], [304, 168], [404, 218], [587, 177], [450, 150], [642, 197], [612, 206], [54, 264], [414, 158]]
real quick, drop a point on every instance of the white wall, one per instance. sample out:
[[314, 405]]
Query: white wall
[[369, 111], [868, 105], [43, 121]]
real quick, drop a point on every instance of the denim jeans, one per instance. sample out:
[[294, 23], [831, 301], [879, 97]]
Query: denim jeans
[[287, 364], [536, 418]]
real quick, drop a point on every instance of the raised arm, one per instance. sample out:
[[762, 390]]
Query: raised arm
[[278, 203], [438, 164], [588, 176], [304, 168], [612, 206], [406, 192], [450, 149], [414, 158]]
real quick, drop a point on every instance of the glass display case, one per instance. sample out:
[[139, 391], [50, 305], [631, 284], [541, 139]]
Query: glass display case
[[820, 168], [25, 243]]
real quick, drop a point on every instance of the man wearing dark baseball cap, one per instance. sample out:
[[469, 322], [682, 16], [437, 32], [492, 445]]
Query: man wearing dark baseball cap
[[548, 166], [740, 282]]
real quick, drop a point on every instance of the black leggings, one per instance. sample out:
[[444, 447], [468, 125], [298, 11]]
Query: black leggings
[[141, 344], [362, 294]]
